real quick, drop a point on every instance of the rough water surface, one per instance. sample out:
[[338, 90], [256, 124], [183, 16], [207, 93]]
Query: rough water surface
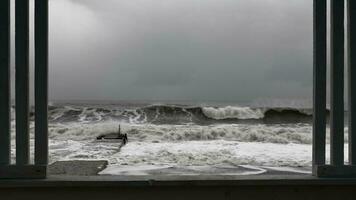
[[185, 139]]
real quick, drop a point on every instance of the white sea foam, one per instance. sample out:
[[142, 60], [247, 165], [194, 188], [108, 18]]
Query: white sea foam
[[278, 145], [174, 114], [231, 112], [234, 112], [217, 156], [186, 149], [277, 133], [284, 134], [188, 140], [214, 153]]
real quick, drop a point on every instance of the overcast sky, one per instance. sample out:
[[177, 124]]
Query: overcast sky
[[200, 50]]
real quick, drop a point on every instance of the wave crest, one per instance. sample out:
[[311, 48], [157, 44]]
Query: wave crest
[[299, 133], [231, 112], [173, 114]]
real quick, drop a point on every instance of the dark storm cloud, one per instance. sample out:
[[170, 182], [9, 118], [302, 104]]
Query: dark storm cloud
[[181, 49]]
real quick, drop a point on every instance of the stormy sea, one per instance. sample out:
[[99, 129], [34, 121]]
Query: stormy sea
[[184, 137]]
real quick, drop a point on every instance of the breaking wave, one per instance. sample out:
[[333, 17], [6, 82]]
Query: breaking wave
[[173, 114], [264, 133], [281, 134]]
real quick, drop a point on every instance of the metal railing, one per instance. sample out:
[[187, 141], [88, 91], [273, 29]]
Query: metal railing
[[337, 167], [23, 167]]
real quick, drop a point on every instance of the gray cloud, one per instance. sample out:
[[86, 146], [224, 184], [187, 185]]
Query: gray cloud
[[181, 49]]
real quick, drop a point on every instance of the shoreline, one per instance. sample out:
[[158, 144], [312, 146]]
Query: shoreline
[[102, 168]]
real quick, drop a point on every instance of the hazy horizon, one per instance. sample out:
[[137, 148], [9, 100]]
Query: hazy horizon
[[200, 50]]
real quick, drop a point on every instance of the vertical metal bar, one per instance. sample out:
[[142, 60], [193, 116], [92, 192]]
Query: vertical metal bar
[[22, 81], [337, 83], [41, 82], [319, 89], [352, 80], [5, 118]]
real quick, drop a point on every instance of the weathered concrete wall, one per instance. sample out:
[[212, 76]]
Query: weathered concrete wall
[[179, 188], [276, 192]]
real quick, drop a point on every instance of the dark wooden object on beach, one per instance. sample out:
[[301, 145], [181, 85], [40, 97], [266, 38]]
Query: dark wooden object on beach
[[114, 136]]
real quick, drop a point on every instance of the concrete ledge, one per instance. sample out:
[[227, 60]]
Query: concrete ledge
[[174, 188], [77, 167], [344, 171], [148, 181], [23, 172]]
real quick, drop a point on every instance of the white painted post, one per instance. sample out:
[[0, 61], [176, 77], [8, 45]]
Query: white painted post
[[22, 168], [22, 81], [352, 80], [337, 83], [5, 96], [41, 82], [319, 89]]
